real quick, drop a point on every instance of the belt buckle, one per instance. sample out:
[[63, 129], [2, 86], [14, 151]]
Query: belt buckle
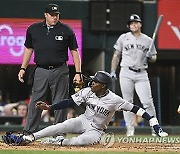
[[50, 67]]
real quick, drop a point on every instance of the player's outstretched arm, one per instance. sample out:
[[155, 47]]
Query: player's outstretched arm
[[42, 105], [57, 106]]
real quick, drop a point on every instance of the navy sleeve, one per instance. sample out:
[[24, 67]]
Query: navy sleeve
[[63, 104]]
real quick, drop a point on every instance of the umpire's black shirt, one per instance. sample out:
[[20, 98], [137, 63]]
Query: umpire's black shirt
[[50, 45]]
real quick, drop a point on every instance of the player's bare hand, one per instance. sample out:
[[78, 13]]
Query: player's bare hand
[[178, 110], [42, 105]]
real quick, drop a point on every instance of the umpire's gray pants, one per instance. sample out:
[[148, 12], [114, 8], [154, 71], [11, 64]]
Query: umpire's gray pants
[[57, 82]]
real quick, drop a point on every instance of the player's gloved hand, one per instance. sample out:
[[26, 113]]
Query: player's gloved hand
[[113, 75], [78, 85], [149, 55]]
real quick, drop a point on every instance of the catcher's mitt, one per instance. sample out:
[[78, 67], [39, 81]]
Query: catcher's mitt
[[14, 138], [78, 85]]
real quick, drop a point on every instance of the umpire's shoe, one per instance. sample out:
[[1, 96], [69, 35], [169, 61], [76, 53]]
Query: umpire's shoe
[[157, 128]]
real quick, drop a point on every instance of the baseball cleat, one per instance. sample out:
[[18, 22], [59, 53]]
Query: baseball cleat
[[48, 141], [153, 133], [28, 138], [56, 141], [130, 131], [159, 131]]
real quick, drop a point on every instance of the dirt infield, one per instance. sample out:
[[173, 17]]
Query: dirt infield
[[117, 147]]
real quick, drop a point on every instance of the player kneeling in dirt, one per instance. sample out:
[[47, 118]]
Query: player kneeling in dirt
[[101, 104]]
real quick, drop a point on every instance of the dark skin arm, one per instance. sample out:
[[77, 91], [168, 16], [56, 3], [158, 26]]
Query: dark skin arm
[[43, 106], [66, 103]]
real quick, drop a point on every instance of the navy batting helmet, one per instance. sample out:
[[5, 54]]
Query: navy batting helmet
[[134, 17], [102, 77]]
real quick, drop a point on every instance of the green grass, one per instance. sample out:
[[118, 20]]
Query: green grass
[[73, 152]]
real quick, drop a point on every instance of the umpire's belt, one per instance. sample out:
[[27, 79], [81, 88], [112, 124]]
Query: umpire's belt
[[136, 70], [50, 67]]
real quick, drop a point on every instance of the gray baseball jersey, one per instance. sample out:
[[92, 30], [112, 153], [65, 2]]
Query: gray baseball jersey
[[134, 49], [99, 111], [92, 123]]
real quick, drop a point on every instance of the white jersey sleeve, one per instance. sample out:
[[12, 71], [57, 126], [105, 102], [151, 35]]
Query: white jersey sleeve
[[122, 104], [81, 96], [119, 45], [119, 102]]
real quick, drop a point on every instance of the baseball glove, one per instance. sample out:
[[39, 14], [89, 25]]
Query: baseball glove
[[78, 85], [14, 138]]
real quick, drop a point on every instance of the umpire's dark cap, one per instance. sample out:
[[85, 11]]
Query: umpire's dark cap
[[102, 77], [52, 9], [134, 17]]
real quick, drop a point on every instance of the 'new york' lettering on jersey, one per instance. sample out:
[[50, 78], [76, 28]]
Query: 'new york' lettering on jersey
[[136, 46], [99, 111]]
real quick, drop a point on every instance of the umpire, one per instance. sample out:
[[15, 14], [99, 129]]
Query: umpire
[[50, 41]]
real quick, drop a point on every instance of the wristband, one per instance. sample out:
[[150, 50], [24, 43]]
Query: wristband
[[78, 73], [23, 69]]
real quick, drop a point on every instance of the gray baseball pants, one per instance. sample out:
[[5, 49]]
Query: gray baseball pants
[[88, 134], [138, 81]]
